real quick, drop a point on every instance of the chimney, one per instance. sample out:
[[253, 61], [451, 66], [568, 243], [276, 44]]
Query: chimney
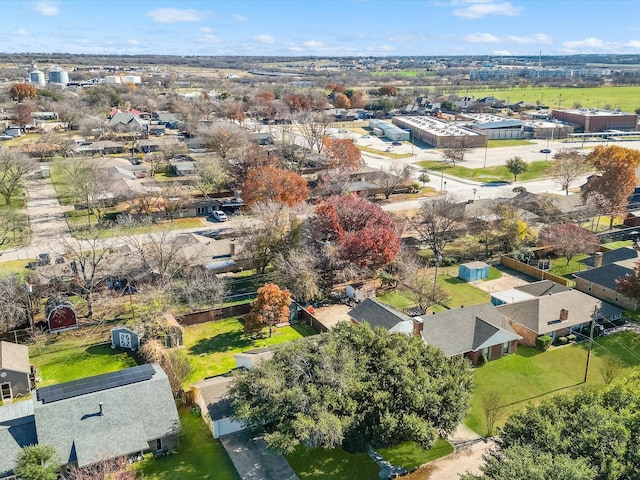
[[564, 314], [597, 260], [417, 327], [101, 412]]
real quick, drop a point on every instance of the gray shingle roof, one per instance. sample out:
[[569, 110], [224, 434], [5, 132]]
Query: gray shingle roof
[[542, 314], [613, 256], [467, 329], [133, 415], [17, 430], [377, 314], [214, 391], [543, 287], [14, 357], [606, 275]]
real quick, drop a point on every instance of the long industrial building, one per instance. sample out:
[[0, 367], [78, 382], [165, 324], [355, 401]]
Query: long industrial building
[[439, 133]]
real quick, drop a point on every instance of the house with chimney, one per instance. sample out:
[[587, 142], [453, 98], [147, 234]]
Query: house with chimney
[[603, 271], [118, 414], [468, 331], [546, 308]]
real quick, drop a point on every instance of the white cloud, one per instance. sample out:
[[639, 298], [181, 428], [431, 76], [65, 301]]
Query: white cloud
[[176, 15], [582, 44], [501, 52], [633, 44], [481, 9], [313, 44], [533, 38], [21, 32], [206, 30], [239, 18], [209, 38], [133, 41], [264, 38], [48, 9], [387, 48], [480, 38]]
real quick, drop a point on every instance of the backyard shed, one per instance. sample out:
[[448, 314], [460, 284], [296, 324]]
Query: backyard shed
[[473, 271], [60, 314], [15, 371], [123, 337], [173, 331]]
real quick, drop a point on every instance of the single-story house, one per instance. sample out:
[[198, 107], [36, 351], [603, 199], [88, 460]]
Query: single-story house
[[102, 147], [17, 430], [603, 269], [126, 122], [211, 395], [527, 292], [124, 337], [469, 331], [117, 414], [182, 169], [15, 371], [473, 271], [557, 315]]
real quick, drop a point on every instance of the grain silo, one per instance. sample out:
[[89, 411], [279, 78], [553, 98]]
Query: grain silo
[[131, 79], [58, 75], [37, 77]]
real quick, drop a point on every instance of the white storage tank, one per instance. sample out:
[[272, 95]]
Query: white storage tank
[[37, 77], [111, 79], [58, 75], [131, 79]]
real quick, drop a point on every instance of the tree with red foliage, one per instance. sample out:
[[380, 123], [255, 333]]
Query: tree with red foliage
[[297, 103], [340, 100], [20, 91], [629, 285], [275, 184], [568, 239], [342, 154], [388, 91], [359, 99], [336, 88], [616, 177], [363, 233], [270, 308]]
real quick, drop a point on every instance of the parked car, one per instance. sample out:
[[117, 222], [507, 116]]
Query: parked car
[[396, 143], [388, 149], [220, 216], [545, 150], [364, 136]]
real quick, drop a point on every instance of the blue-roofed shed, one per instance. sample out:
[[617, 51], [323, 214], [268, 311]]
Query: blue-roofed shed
[[473, 271]]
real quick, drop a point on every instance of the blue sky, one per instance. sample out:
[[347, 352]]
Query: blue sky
[[321, 28]]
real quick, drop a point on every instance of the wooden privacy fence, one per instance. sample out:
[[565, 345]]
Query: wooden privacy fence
[[534, 271], [214, 314]]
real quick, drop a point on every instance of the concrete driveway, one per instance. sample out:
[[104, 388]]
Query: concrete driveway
[[253, 460]]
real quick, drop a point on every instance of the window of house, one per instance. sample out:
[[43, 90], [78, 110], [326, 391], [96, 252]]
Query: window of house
[[5, 391], [159, 444], [201, 210], [505, 348], [590, 285], [485, 352]]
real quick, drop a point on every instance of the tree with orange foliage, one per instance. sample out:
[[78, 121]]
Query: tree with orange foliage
[[336, 88], [340, 100], [275, 184], [20, 91], [388, 91], [616, 178], [297, 103], [270, 308], [362, 232], [359, 99], [342, 154]]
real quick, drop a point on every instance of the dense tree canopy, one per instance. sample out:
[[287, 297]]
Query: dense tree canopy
[[599, 428], [20, 91], [353, 387], [361, 231], [37, 462], [274, 184], [616, 179], [342, 154], [516, 165], [270, 308]]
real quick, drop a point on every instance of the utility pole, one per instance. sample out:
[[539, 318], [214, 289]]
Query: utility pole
[[593, 326]]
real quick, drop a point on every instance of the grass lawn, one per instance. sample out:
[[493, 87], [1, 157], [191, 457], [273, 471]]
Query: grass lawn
[[619, 244], [177, 224], [461, 292], [14, 267], [509, 142], [494, 274], [559, 266], [77, 354], [199, 456], [210, 346], [530, 375], [396, 299], [490, 174], [339, 465]]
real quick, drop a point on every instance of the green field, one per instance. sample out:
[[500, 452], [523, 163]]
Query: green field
[[626, 99], [490, 174], [404, 73]]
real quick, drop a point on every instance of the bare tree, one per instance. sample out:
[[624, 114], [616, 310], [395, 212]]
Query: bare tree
[[493, 409], [271, 229], [210, 177], [567, 167], [296, 270], [313, 127], [175, 365], [390, 178], [14, 304], [198, 288], [106, 469], [14, 169], [424, 290], [145, 202], [167, 150], [173, 200], [436, 222], [223, 138], [457, 151]]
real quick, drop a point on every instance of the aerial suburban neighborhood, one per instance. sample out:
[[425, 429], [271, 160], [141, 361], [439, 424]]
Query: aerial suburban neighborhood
[[324, 266]]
